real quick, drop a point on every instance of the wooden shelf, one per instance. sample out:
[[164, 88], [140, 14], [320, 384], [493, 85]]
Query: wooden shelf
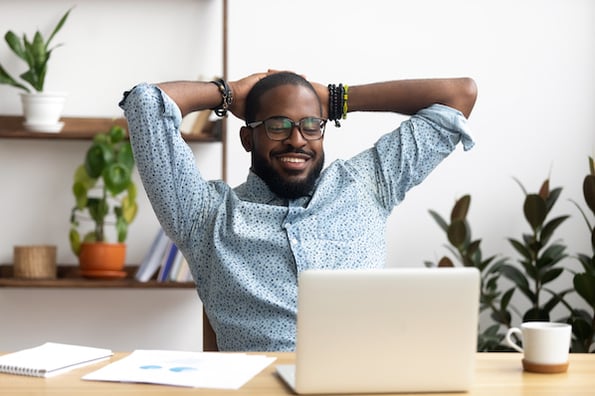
[[68, 276], [82, 128]]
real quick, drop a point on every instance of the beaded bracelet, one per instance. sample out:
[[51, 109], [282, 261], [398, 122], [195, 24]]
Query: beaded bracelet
[[345, 100], [336, 103], [226, 95]]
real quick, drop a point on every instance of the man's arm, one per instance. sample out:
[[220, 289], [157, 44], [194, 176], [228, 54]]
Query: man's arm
[[409, 96], [198, 95], [400, 96]]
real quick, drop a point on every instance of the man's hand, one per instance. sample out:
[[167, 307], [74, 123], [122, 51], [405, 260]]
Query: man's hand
[[240, 90]]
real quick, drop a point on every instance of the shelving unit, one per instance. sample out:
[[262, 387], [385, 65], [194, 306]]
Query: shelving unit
[[69, 277], [83, 128]]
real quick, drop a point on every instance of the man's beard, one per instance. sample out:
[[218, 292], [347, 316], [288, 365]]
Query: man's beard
[[282, 187]]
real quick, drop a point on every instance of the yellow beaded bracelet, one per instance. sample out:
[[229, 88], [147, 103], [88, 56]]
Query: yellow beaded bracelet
[[345, 99]]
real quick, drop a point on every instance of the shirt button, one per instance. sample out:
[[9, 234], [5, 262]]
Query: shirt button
[[294, 241]]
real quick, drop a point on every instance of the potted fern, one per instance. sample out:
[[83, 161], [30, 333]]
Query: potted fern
[[105, 195], [42, 109]]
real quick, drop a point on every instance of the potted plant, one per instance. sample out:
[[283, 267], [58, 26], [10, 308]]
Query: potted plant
[[41, 109], [105, 195]]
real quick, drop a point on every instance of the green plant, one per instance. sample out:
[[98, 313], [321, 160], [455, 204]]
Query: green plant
[[35, 53], [583, 322], [539, 258], [468, 253], [103, 189]]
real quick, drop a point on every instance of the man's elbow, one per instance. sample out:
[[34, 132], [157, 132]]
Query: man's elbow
[[467, 96]]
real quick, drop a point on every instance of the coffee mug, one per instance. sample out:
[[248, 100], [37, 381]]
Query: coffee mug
[[545, 346]]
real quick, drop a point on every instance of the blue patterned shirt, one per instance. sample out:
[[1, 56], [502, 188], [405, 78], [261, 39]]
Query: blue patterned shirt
[[245, 245]]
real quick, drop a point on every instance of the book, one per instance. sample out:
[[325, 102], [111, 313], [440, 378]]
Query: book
[[50, 359], [152, 260], [184, 274], [168, 260], [176, 266]]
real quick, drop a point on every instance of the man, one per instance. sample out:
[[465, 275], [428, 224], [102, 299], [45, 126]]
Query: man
[[246, 245]]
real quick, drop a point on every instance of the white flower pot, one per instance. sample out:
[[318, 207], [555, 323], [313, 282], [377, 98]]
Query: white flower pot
[[42, 111]]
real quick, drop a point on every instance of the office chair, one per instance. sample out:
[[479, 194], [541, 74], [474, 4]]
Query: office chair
[[209, 338]]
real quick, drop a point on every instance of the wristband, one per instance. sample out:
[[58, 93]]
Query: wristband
[[226, 95]]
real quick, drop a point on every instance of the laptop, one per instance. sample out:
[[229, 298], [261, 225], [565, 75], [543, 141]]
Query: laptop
[[385, 331]]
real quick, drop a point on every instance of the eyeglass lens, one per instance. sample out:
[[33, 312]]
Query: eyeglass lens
[[279, 128]]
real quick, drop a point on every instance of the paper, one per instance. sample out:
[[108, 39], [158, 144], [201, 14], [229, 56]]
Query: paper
[[51, 359], [180, 368]]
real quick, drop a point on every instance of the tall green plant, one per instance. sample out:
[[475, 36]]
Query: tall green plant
[[539, 259], [103, 189], [583, 322], [35, 53], [468, 252]]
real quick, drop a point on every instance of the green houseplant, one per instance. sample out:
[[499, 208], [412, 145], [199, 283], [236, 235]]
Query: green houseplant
[[468, 252], [540, 258], [583, 322], [36, 54], [539, 263], [105, 194]]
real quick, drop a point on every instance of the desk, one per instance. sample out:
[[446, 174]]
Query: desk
[[496, 374]]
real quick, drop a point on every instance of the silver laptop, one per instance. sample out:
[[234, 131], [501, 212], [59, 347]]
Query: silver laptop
[[386, 330]]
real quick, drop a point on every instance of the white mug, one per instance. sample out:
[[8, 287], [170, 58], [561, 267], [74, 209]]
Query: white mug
[[545, 345]]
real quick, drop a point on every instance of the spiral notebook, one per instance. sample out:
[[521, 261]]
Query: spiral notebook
[[50, 359]]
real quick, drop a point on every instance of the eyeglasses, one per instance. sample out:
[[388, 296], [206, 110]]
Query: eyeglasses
[[279, 128]]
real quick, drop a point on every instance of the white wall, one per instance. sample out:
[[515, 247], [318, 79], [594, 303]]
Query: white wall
[[533, 61]]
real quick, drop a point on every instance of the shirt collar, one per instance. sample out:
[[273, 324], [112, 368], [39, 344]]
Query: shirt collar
[[256, 190]]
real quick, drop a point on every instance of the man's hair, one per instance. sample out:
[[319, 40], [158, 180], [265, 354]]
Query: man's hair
[[266, 84]]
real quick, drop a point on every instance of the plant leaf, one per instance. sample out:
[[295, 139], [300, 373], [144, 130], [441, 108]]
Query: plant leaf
[[549, 228], [520, 248], [457, 233], [518, 279], [506, 299], [438, 219], [589, 191], [6, 78], [584, 284], [552, 198], [551, 275], [459, 211], [535, 211], [536, 314], [58, 27], [520, 185], [544, 191], [15, 44], [445, 262], [98, 157], [116, 178]]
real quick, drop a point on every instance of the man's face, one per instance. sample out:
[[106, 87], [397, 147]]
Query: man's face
[[290, 167]]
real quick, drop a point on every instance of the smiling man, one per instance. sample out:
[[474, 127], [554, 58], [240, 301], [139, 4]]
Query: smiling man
[[246, 245]]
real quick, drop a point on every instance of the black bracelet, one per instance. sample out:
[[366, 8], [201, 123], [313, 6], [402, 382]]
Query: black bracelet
[[226, 95], [335, 103]]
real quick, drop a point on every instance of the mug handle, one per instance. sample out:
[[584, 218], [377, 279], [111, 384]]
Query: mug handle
[[510, 342]]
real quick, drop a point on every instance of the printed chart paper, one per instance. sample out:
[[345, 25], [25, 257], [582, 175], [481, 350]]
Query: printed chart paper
[[181, 368]]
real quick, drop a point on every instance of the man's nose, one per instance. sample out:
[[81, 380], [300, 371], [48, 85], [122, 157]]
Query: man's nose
[[295, 138]]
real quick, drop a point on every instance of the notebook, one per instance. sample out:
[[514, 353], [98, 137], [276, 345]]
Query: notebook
[[50, 359], [385, 331]]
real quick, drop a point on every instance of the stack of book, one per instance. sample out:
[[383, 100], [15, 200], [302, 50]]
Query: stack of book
[[163, 262]]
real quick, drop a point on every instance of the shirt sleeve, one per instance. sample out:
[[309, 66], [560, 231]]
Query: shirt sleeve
[[165, 163], [403, 158]]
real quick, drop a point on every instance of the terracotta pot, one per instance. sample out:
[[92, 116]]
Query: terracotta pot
[[102, 260]]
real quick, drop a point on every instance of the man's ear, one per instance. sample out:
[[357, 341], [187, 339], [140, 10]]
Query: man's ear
[[246, 138]]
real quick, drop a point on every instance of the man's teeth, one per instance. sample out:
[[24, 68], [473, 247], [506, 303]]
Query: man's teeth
[[292, 159]]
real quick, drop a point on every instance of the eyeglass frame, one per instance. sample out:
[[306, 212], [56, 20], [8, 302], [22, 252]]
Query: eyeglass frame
[[294, 124]]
